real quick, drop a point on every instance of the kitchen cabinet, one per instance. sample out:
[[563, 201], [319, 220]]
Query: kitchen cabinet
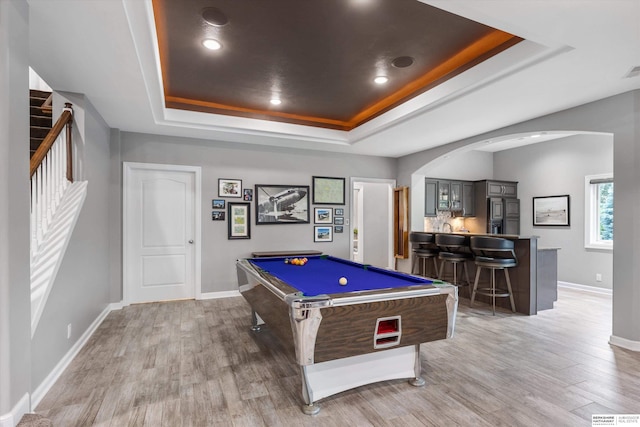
[[496, 211], [444, 195], [468, 199], [430, 197], [511, 216], [455, 188], [497, 206], [512, 208], [502, 189]]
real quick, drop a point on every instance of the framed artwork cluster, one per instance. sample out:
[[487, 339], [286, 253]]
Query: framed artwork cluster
[[217, 215], [281, 204], [333, 220], [238, 213]]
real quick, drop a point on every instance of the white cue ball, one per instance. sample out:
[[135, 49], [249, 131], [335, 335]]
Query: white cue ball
[[343, 281]]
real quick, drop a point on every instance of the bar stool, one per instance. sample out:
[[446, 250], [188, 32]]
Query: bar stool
[[424, 248], [494, 253], [454, 251]]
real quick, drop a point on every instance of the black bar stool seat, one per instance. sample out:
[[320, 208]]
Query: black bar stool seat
[[424, 249], [493, 253], [454, 250]]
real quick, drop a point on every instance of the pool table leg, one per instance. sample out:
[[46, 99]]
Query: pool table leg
[[255, 325], [309, 407], [418, 381]]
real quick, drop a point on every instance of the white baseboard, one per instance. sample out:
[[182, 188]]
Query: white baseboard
[[53, 376], [624, 343], [13, 418], [585, 288], [222, 294]]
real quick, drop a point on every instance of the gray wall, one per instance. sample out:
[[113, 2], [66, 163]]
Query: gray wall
[[81, 289], [554, 168], [253, 165], [620, 116], [15, 299]]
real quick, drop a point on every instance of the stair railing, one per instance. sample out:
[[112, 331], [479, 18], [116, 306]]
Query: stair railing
[[51, 173]]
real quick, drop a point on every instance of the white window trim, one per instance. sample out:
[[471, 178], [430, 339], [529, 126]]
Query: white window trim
[[591, 214]]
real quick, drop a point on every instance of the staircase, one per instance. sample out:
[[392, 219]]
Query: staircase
[[56, 198], [40, 117]]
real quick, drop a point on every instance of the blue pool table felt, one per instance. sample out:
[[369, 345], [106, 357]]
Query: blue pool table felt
[[320, 275]]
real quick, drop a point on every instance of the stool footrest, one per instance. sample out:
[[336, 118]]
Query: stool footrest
[[490, 292]]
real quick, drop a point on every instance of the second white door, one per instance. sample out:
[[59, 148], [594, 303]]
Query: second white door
[[160, 206]]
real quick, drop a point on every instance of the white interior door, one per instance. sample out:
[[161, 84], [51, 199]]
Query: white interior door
[[161, 227], [372, 214]]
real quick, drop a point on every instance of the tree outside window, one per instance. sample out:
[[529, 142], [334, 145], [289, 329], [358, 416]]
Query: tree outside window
[[599, 211]]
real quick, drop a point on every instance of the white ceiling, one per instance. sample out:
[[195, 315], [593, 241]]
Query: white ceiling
[[576, 51]]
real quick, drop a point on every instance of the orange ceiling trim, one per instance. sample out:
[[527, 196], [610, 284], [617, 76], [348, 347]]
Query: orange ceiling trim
[[160, 19], [213, 106], [494, 40]]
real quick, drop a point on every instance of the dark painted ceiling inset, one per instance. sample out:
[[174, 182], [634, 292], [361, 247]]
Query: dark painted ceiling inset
[[319, 57]]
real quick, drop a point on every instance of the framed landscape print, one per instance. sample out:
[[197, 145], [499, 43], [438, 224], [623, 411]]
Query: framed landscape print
[[551, 210], [229, 187], [323, 233], [322, 215], [217, 215], [239, 221], [282, 204], [217, 204], [328, 191], [339, 220]]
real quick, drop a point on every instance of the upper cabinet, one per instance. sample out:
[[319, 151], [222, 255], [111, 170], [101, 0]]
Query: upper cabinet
[[430, 197], [449, 196], [502, 189], [444, 195], [468, 199]]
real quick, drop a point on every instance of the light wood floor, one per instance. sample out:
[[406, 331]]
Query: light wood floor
[[195, 363]]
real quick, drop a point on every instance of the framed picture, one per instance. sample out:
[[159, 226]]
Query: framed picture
[[338, 211], [322, 216], [217, 216], [217, 204], [551, 210], [247, 194], [282, 204], [239, 221], [328, 191], [338, 229], [338, 220], [323, 233], [229, 187]]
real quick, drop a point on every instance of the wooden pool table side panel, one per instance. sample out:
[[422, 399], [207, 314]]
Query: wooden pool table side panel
[[349, 330], [275, 313]]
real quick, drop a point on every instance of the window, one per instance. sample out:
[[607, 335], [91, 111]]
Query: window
[[599, 211]]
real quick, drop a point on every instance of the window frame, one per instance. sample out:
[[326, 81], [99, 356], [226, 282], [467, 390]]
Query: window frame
[[591, 198]]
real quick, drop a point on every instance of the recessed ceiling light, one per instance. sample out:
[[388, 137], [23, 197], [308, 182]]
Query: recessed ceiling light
[[381, 80], [275, 101], [536, 136], [211, 44]]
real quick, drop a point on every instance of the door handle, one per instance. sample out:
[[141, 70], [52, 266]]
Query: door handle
[[191, 242]]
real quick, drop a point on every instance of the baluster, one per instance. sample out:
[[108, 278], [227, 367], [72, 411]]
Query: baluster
[[33, 221], [47, 189], [38, 176]]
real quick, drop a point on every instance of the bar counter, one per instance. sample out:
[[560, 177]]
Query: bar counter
[[533, 280]]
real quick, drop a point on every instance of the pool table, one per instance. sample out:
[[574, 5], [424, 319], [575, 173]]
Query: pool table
[[345, 336]]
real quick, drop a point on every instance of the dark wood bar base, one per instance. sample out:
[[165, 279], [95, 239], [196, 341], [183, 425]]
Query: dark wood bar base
[[534, 280]]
